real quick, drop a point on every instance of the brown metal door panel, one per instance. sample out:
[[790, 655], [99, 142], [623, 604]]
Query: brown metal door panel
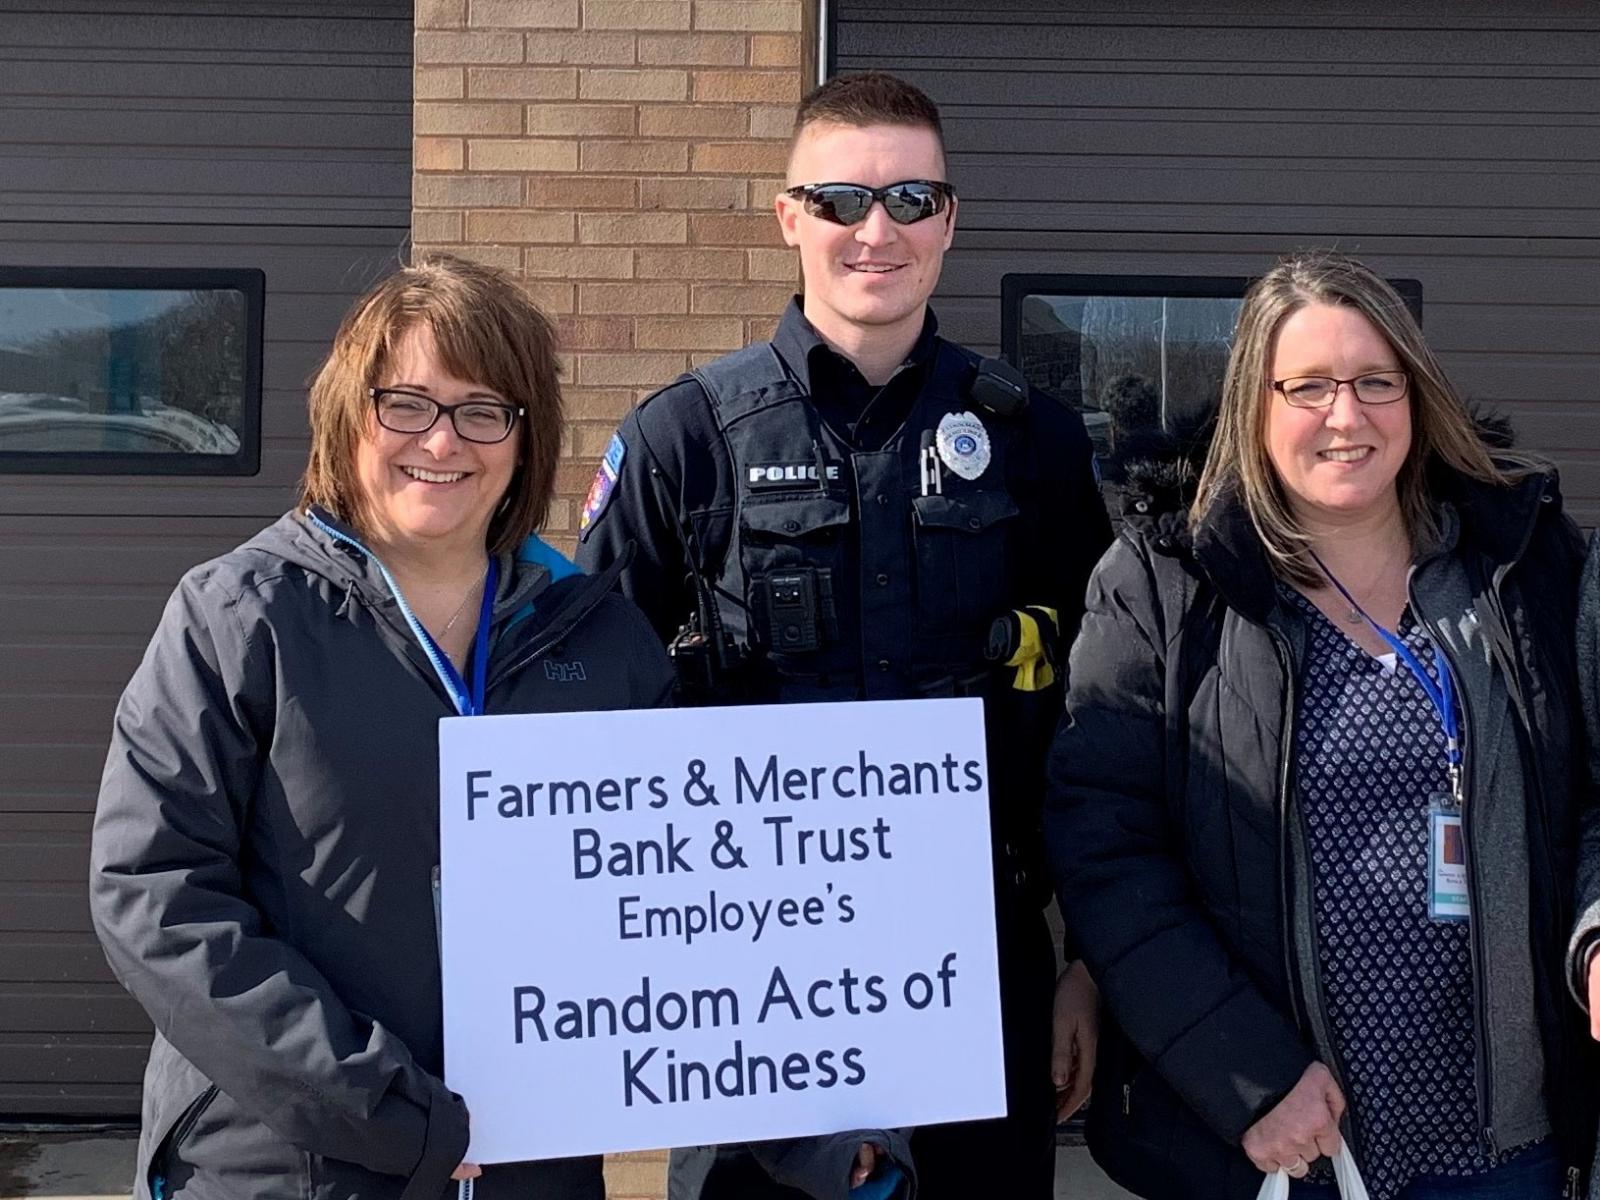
[[195, 135], [1456, 143]]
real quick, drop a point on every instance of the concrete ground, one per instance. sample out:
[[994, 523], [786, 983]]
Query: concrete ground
[[99, 1166]]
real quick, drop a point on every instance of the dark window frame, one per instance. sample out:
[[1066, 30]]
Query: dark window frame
[[1017, 285], [250, 282]]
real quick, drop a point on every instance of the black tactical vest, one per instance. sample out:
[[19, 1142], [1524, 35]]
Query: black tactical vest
[[845, 575]]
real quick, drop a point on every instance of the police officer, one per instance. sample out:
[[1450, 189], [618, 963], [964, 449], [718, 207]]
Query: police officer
[[843, 513]]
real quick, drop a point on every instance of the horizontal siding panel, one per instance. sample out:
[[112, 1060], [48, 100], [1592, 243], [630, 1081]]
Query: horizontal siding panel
[[59, 907], [67, 662], [1550, 139], [69, 1103], [74, 1101], [64, 958], [33, 1059], [205, 124], [44, 848], [206, 77], [69, 1008], [27, 719], [233, 29], [1287, 220], [1330, 91], [73, 554], [71, 788], [1288, 185], [1051, 43], [117, 610], [1489, 16]]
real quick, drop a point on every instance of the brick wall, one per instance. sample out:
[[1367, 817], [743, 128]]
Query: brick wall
[[622, 155]]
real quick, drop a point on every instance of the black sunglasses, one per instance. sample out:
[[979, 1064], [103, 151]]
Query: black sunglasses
[[906, 202]]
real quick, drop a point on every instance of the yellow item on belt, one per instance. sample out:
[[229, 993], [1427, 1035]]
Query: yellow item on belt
[[1031, 652]]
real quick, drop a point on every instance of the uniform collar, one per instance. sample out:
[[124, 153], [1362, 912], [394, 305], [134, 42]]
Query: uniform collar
[[798, 343]]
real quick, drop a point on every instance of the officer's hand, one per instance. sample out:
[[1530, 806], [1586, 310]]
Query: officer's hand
[[1075, 1034], [866, 1163], [466, 1171]]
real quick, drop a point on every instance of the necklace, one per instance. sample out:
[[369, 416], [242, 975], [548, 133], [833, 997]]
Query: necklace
[[462, 607], [1351, 615]]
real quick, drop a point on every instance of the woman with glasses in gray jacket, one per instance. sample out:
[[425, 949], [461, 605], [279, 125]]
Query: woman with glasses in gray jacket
[[267, 832]]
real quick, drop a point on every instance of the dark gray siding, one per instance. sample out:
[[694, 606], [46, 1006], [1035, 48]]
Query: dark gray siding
[[1453, 141], [253, 134]]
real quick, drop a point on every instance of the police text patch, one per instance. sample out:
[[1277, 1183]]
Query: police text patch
[[782, 474]]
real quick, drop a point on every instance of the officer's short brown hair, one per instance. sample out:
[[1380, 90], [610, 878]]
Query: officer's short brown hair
[[488, 330], [869, 98]]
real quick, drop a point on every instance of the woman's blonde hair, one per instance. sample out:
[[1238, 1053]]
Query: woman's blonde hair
[[1441, 428], [487, 330]]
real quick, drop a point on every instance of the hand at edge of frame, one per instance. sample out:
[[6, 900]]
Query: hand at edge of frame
[[1075, 1032]]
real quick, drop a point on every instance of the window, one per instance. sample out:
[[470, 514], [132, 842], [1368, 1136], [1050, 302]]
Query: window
[[130, 371], [1140, 356]]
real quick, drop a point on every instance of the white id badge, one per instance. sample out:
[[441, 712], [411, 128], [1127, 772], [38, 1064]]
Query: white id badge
[[1447, 863]]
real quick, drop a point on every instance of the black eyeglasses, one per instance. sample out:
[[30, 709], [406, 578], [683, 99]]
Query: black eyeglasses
[[483, 421], [1318, 391], [906, 202]]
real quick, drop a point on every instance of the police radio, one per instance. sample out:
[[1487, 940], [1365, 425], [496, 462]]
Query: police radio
[[703, 653], [1000, 388]]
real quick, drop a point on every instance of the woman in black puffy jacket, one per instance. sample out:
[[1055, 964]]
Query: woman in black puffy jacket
[[1313, 808]]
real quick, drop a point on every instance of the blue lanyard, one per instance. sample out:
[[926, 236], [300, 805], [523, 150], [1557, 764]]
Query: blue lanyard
[[1442, 695], [467, 703]]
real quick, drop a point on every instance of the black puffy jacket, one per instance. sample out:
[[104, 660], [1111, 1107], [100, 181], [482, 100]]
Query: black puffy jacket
[[1171, 825]]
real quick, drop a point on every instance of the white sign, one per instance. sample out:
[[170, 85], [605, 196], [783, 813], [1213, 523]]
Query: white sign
[[683, 926]]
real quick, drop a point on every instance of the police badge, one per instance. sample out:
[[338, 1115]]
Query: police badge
[[963, 444]]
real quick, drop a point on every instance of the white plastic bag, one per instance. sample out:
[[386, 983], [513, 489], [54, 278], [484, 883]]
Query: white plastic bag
[[1276, 1185]]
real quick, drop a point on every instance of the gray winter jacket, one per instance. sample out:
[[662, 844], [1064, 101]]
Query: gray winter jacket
[[263, 852]]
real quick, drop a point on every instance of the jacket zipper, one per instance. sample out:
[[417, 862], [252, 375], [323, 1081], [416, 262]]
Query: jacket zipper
[[1480, 999], [1302, 1019]]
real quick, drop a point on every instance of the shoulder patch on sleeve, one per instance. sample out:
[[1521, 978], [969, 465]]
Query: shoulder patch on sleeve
[[605, 482]]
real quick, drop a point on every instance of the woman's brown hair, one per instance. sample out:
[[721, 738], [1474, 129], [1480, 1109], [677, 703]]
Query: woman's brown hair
[[487, 330], [1441, 428]]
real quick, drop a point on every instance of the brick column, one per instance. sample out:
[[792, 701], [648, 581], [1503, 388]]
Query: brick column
[[622, 155]]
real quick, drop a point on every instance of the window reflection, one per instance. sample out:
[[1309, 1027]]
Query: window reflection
[[1132, 365], [123, 371]]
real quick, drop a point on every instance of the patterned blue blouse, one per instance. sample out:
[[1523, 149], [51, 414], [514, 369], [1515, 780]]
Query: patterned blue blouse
[[1369, 755]]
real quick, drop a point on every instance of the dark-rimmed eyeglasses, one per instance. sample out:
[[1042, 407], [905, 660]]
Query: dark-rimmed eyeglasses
[[1318, 391], [483, 421], [906, 202]]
